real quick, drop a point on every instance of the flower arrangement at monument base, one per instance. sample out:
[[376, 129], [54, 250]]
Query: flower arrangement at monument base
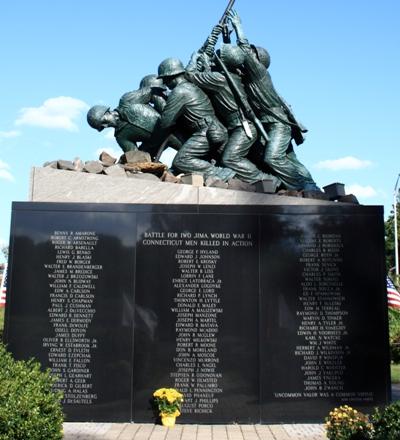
[[346, 423], [168, 402]]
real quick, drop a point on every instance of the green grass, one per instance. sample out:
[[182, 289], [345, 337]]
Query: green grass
[[395, 369]]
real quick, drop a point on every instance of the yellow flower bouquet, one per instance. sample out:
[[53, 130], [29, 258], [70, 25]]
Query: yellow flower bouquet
[[346, 423], [168, 401]]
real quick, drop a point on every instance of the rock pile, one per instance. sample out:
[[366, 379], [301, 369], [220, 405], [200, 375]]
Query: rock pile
[[136, 164]]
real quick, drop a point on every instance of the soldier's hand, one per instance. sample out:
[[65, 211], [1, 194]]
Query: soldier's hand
[[217, 29], [158, 90], [234, 18], [204, 59], [195, 56], [195, 63]]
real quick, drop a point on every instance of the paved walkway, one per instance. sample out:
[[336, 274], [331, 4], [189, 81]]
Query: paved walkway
[[142, 431], [139, 431]]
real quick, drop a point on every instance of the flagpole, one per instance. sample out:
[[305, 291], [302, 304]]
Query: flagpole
[[396, 243]]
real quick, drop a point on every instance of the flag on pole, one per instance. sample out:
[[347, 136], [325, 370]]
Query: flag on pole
[[393, 295], [3, 287]]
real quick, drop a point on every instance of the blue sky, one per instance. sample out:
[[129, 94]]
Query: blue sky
[[337, 63]]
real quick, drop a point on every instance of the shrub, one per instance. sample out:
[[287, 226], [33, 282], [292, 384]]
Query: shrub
[[29, 408], [346, 423], [386, 422], [394, 335]]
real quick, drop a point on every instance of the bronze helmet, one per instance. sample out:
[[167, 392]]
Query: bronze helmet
[[170, 67], [95, 115]]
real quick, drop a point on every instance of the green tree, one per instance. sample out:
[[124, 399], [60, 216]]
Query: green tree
[[4, 249], [394, 335]]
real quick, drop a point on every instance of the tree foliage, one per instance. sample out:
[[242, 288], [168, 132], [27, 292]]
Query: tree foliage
[[29, 408], [390, 239], [4, 249], [394, 335]]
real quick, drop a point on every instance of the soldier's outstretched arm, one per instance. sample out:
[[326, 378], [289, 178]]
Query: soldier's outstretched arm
[[126, 144], [173, 109], [251, 62], [206, 79], [198, 62], [212, 39], [194, 62], [207, 50], [237, 25]]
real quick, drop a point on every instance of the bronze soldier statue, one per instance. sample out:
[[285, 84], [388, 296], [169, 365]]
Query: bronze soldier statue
[[279, 122], [189, 109], [132, 124], [135, 117], [151, 91], [241, 133]]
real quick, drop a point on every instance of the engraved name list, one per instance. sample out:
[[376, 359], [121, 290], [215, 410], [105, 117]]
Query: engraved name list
[[72, 279]]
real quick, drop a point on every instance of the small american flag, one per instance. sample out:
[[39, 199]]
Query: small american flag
[[393, 295]]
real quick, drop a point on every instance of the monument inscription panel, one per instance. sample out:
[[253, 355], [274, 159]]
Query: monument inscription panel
[[204, 293], [317, 312], [75, 308], [257, 314]]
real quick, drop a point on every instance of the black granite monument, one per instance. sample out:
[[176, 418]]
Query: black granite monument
[[256, 313]]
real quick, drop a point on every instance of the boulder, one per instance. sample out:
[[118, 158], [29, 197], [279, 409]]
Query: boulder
[[66, 165], [239, 185], [135, 156], [348, 198], [115, 171], [106, 159], [214, 182], [193, 179], [170, 178], [147, 167], [93, 167], [78, 164], [52, 164]]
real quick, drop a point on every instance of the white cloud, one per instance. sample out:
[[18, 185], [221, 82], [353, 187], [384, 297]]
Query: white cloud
[[9, 134], [109, 134], [361, 191], [60, 112], [4, 172], [111, 151], [344, 163]]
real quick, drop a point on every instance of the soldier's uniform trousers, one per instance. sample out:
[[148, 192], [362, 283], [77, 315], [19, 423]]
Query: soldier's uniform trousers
[[279, 155]]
